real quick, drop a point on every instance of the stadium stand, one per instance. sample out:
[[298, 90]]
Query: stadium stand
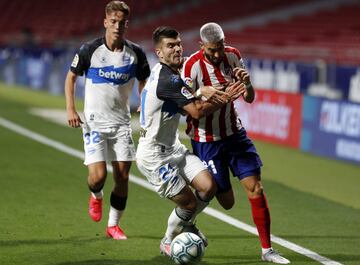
[[277, 37]]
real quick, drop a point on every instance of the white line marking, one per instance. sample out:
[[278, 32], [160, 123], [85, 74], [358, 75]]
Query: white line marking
[[209, 211]]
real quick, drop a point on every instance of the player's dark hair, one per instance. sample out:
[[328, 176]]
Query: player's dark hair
[[164, 32], [116, 5]]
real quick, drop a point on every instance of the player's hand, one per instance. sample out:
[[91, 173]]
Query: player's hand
[[235, 90], [214, 95], [242, 75], [73, 119]]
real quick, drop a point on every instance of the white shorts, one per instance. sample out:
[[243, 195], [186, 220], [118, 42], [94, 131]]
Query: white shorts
[[114, 144], [169, 172]]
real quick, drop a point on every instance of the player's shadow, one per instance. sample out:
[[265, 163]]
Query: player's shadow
[[69, 240], [106, 262]]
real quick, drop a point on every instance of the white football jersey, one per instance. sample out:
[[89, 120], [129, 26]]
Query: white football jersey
[[162, 100], [110, 78]]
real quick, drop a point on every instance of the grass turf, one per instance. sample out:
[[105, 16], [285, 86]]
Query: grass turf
[[313, 203]]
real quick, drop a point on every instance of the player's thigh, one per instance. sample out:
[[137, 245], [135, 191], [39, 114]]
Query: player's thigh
[[211, 154], [163, 175], [121, 145], [185, 199], [97, 171], [191, 167], [243, 158], [95, 146], [226, 199]]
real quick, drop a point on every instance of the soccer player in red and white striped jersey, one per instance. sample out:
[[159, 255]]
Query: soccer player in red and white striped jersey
[[219, 138]]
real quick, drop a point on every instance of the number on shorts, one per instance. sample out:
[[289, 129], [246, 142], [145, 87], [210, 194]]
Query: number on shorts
[[93, 137], [211, 166]]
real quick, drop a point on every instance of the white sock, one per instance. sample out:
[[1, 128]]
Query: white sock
[[175, 226], [265, 250], [97, 195], [114, 216]]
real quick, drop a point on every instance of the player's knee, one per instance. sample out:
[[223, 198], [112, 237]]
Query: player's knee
[[121, 178], [190, 205], [256, 190], [96, 179]]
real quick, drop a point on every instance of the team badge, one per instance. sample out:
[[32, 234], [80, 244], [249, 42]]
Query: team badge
[[175, 79], [186, 93], [75, 61], [188, 82]]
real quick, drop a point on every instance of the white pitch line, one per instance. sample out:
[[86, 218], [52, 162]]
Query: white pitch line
[[209, 211]]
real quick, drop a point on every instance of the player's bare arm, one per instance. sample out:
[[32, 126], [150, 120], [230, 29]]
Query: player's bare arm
[[72, 115], [212, 95], [243, 76], [200, 108]]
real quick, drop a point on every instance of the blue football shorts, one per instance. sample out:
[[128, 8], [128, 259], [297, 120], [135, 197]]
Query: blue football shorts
[[236, 152]]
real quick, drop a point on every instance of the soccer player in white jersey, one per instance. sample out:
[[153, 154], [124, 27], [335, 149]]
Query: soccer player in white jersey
[[110, 64], [166, 163], [219, 139]]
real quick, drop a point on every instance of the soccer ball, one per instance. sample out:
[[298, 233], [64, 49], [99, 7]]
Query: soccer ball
[[187, 248]]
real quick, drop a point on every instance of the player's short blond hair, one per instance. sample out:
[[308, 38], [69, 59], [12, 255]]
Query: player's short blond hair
[[116, 5], [211, 32]]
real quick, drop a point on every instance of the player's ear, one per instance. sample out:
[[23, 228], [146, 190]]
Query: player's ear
[[126, 23], [105, 23], [201, 44], [158, 52]]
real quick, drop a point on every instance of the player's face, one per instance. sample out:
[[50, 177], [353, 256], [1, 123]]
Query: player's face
[[170, 52], [115, 24], [214, 52]]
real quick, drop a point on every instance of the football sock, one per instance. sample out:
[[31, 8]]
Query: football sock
[[118, 202], [97, 195], [114, 216], [261, 217], [200, 205], [265, 250], [177, 219], [117, 208]]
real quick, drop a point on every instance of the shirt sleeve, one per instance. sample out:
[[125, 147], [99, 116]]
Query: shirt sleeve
[[81, 61], [172, 88], [190, 74], [143, 68]]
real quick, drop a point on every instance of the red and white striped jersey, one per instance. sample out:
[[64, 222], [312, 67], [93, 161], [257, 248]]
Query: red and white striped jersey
[[197, 72]]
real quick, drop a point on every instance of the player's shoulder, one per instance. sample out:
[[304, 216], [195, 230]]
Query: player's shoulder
[[194, 58], [92, 44], [233, 51]]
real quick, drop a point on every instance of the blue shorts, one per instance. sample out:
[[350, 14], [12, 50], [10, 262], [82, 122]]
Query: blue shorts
[[236, 152]]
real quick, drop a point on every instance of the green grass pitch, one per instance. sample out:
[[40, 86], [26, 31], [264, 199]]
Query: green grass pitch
[[314, 203]]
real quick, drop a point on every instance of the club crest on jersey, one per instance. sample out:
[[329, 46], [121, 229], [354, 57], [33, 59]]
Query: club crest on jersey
[[75, 61], [188, 82], [186, 93], [175, 79]]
